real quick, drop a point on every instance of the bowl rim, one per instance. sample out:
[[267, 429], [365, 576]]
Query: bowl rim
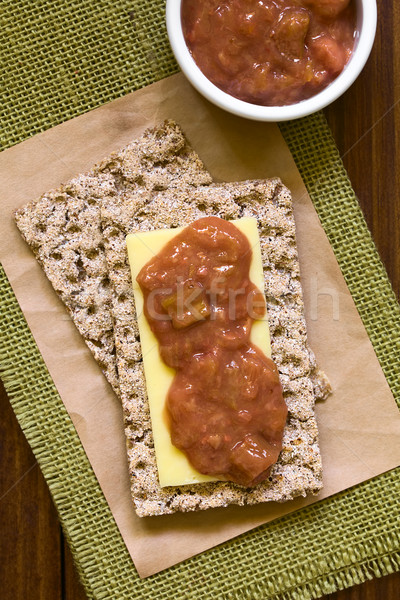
[[360, 55]]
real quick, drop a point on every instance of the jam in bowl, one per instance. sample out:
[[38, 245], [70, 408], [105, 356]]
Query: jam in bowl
[[270, 52]]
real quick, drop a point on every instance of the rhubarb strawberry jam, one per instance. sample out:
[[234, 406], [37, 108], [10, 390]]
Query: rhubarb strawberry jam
[[270, 52], [225, 406]]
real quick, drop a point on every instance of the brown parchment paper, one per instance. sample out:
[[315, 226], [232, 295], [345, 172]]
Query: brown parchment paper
[[359, 424]]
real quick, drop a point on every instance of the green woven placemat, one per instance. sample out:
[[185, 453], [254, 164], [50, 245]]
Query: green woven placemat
[[57, 60]]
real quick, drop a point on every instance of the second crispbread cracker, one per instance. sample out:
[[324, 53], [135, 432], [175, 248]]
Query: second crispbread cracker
[[298, 470], [63, 227]]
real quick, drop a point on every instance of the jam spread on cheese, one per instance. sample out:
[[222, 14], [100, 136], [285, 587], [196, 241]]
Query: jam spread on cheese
[[270, 52], [225, 406]]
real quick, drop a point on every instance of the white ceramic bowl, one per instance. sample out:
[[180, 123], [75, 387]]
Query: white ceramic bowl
[[366, 27]]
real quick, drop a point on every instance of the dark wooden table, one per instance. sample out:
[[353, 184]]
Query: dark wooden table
[[35, 562]]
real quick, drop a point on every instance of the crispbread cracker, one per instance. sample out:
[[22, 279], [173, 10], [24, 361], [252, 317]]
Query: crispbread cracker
[[298, 470], [64, 231]]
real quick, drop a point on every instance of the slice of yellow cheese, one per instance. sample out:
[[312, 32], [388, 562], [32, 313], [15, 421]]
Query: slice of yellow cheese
[[173, 466]]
